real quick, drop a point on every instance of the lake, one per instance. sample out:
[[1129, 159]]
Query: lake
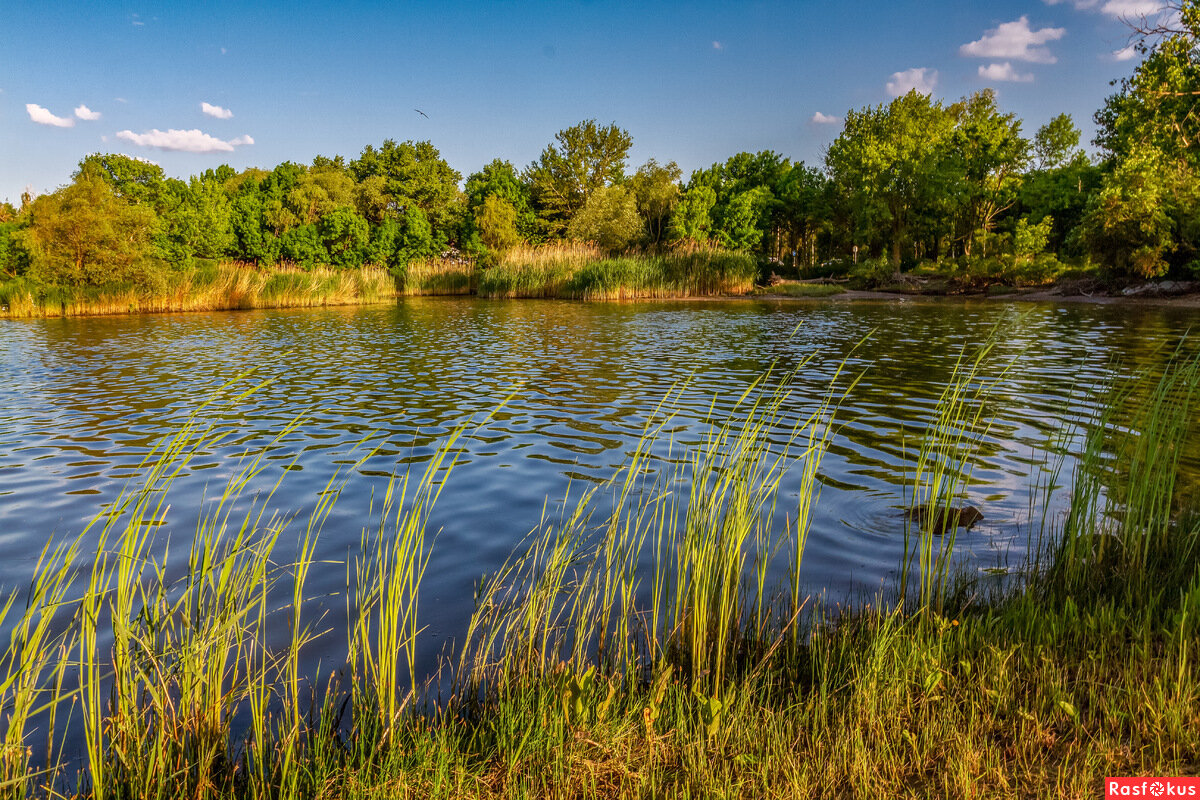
[[572, 386]]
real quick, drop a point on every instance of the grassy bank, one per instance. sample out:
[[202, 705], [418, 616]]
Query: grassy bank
[[203, 288], [583, 676]]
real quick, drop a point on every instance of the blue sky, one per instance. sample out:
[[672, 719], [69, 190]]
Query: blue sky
[[191, 86]]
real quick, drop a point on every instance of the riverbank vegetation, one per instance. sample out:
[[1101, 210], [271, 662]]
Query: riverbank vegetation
[[957, 196], [203, 287], [651, 639]]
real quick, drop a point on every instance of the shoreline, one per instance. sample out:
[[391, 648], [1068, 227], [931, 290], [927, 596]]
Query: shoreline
[[1190, 299]]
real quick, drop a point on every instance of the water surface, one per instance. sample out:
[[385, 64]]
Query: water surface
[[83, 400]]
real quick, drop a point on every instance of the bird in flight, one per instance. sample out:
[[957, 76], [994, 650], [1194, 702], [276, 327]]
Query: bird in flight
[[422, 113]]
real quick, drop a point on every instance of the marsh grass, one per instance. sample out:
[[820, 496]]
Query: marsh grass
[[580, 271], [223, 286], [634, 646], [438, 276]]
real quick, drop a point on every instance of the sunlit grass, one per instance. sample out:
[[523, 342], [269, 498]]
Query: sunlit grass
[[436, 276], [224, 286], [581, 272]]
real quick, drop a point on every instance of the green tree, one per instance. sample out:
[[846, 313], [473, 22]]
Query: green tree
[[692, 221], [1157, 107], [371, 199], [1031, 239], [803, 210], [1145, 217], [610, 219], [889, 161], [318, 192], [1144, 212], [499, 179], [303, 245], [253, 239], [745, 218], [416, 176], [345, 236], [496, 220], [991, 155], [1061, 193], [655, 188], [14, 257], [84, 235], [131, 179], [1056, 143], [583, 159]]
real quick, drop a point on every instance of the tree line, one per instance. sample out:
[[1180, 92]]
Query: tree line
[[913, 180]]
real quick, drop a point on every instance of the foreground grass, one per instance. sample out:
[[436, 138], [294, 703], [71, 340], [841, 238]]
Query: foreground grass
[[582, 677], [204, 288]]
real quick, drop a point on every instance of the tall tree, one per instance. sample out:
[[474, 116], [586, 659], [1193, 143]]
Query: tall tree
[[692, 220], [582, 159], [991, 155], [84, 235], [889, 161], [1056, 143], [500, 180], [802, 211], [1159, 105], [417, 177], [609, 219], [656, 189], [1146, 216]]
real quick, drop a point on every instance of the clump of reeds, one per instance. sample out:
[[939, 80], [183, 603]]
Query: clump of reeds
[[228, 285], [436, 276], [568, 254], [583, 272]]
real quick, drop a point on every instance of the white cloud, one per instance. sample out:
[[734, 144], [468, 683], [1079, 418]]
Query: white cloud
[[1133, 9], [825, 119], [1004, 72], [83, 112], [42, 116], [718, 45], [1122, 9], [1125, 54], [193, 141], [923, 79], [1015, 40], [216, 111]]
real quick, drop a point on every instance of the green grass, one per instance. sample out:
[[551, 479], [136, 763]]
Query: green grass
[[583, 676]]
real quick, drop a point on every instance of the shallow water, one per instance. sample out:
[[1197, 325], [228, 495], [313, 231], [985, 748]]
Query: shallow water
[[83, 400]]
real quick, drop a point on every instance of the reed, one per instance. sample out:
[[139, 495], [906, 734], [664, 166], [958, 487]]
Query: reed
[[438, 276]]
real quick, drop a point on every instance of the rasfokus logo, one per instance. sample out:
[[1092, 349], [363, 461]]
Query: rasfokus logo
[[1152, 787]]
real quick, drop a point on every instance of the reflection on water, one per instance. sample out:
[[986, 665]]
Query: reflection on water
[[83, 400]]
